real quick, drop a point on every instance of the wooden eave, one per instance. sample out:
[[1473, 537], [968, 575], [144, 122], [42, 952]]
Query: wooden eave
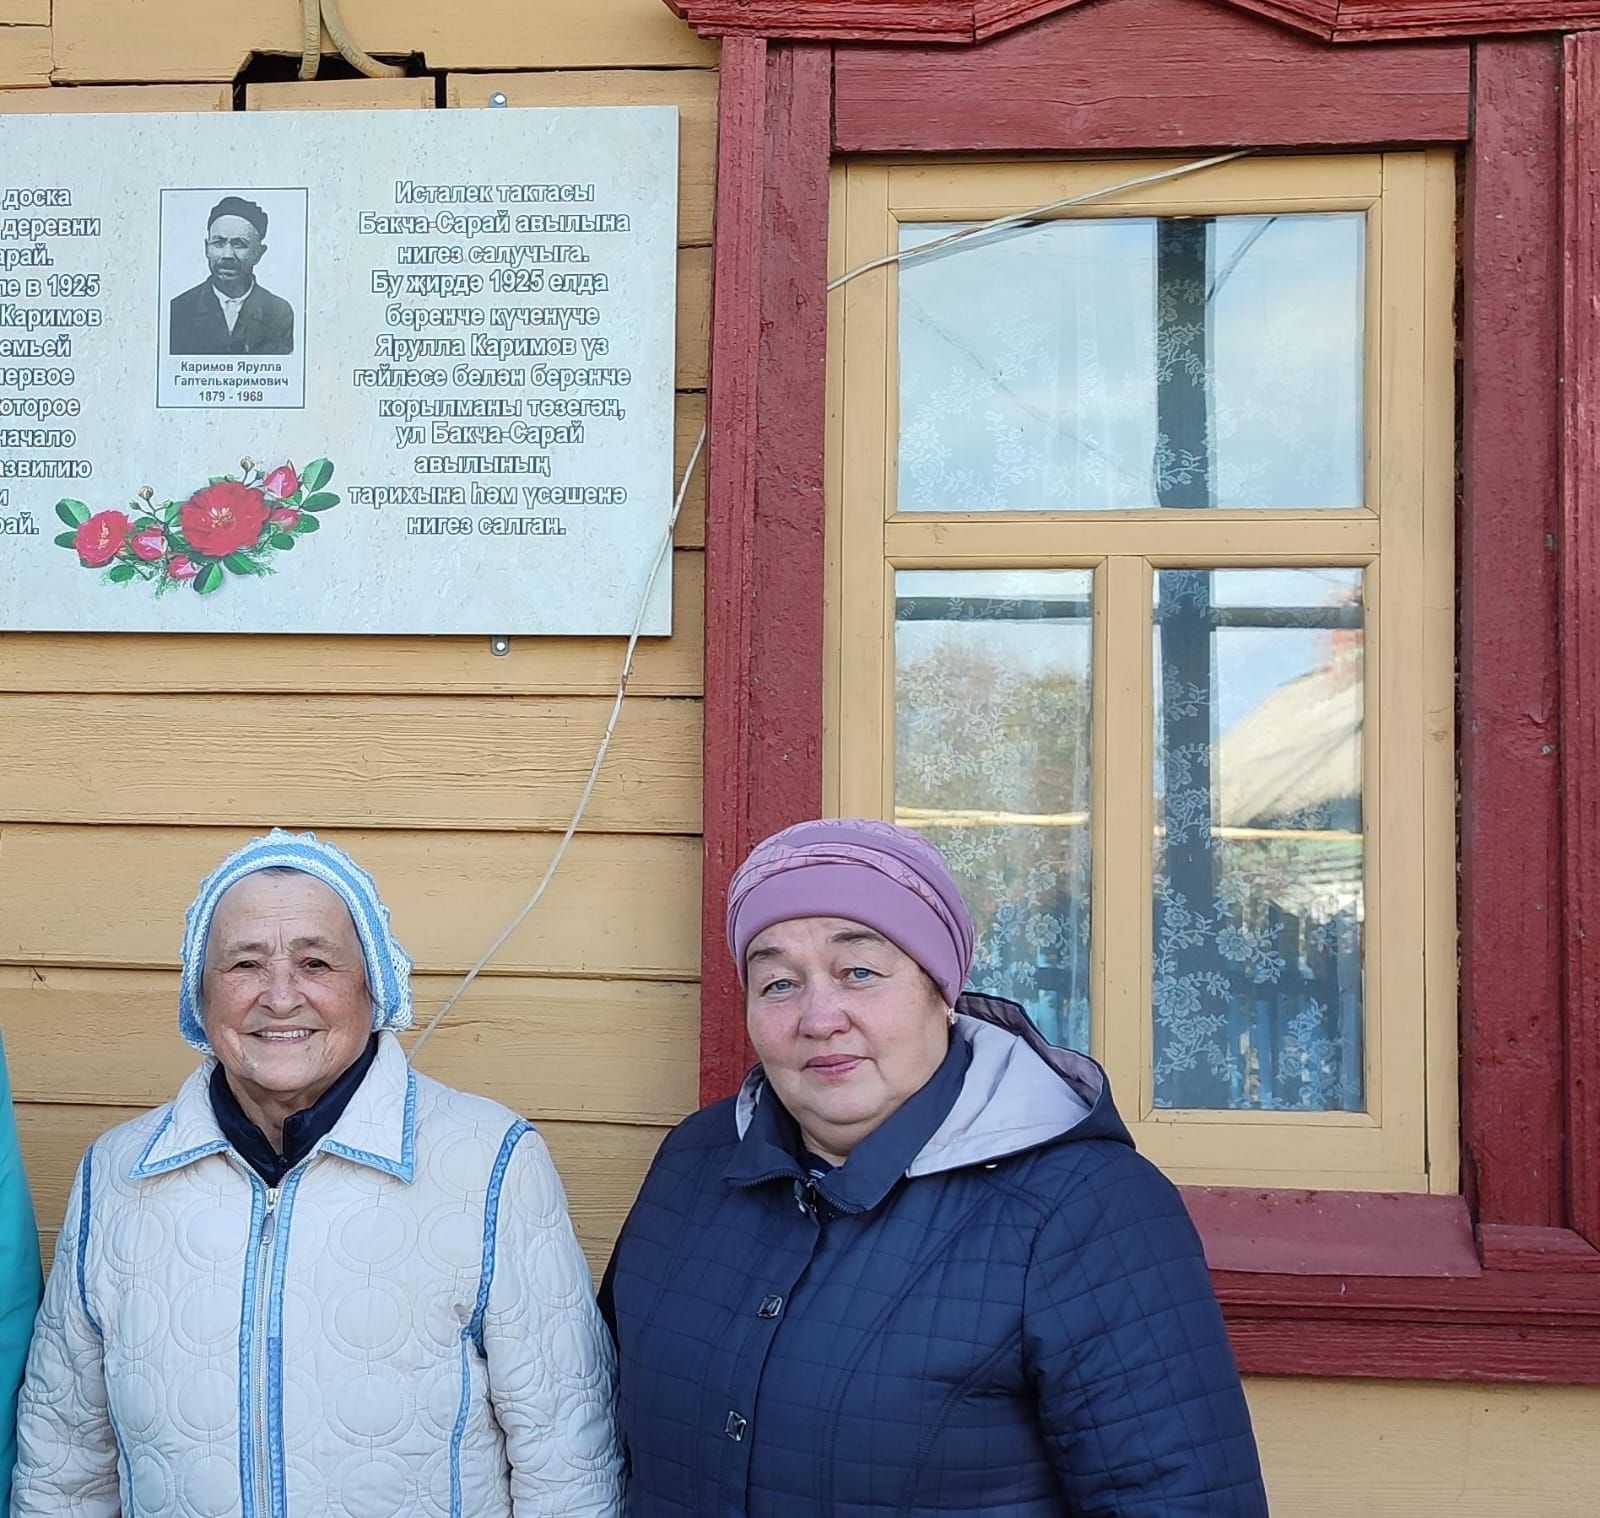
[[959, 22]]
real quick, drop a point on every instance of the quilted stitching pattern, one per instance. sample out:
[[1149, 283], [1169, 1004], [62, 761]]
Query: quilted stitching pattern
[[1029, 1338], [436, 1345]]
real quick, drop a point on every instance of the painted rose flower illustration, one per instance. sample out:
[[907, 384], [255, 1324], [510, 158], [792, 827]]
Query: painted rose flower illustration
[[234, 525], [223, 518], [99, 539], [149, 544], [282, 482]]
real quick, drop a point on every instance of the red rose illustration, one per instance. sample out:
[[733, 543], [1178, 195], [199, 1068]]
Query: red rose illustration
[[182, 567], [101, 537], [149, 544], [223, 518], [282, 482], [284, 517]]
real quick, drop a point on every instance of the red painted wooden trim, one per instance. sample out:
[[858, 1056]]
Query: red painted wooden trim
[[965, 21], [1332, 1233], [1368, 20], [792, 402], [764, 522], [1510, 1246], [833, 20], [1187, 77], [992, 18], [730, 540], [1513, 1057], [1319, 18], [1501, 1326], [1580, 624]]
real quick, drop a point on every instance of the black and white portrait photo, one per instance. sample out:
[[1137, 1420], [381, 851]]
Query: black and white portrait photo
[[233, 286], [231, 311]]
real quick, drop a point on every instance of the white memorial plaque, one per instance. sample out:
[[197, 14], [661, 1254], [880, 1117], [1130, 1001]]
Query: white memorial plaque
[[336, 372]]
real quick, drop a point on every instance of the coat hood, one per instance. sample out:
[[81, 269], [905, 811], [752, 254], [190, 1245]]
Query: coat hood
[[1018, 1092]]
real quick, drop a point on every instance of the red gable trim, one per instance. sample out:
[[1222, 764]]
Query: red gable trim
[[968, 21]]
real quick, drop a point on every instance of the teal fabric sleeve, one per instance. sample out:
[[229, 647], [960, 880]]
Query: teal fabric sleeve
[[20, 1282]]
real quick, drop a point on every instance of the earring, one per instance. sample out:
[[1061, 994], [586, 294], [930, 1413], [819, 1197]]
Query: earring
[[950, 1014]]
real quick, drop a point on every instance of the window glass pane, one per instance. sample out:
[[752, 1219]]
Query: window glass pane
[[1127, 363], [1258, 840], [992, 723]]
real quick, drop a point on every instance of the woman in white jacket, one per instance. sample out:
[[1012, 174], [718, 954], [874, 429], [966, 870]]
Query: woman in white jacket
[[316, 1282]]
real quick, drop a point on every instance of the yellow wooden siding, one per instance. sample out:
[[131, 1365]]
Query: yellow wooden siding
[[134, 763], [25, 58], [1401, 1449], [114, 40], [24, 12], [118, 97], [414, 93], [340, 761]]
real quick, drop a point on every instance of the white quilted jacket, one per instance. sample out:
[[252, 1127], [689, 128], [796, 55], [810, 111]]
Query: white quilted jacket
[[404, 1327]]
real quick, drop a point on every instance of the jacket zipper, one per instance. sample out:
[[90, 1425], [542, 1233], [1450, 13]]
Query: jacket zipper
[[266, 1248]]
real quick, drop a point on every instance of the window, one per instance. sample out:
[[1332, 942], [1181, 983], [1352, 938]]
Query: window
[[1140, 604]]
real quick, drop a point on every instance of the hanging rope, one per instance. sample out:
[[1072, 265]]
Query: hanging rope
[[316, 14]]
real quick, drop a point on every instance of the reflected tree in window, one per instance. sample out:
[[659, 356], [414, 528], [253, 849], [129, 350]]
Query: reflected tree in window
[[993, 702]]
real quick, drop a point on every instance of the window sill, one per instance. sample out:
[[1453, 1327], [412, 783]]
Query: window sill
[[1397, 1287]]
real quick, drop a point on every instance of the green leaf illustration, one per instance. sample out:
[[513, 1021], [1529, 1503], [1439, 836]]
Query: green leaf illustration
[[66, 540], [120, 574], [242, 564], [281, 540], [319, 502], [316, 474], [73, 513], [209, 579], [306, 524]]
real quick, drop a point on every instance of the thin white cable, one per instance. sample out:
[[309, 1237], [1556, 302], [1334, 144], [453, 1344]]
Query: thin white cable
[[516, 922], [1016, 218]]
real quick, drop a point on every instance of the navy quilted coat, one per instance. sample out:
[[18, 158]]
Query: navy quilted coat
[[995, 1307]]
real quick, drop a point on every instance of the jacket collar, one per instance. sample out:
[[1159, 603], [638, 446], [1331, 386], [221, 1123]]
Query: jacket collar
[[377, 1129], [772, 1142]]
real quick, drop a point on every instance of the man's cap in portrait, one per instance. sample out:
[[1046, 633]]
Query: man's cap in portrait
[[247, 210]]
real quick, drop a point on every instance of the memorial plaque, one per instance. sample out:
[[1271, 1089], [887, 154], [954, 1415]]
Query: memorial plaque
[[336, 372]]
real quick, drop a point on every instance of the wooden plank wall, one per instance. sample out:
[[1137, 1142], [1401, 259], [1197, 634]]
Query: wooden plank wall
[[132, 764]]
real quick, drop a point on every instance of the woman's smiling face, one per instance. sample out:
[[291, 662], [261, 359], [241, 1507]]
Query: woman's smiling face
[[284, 992], [846, 1026]]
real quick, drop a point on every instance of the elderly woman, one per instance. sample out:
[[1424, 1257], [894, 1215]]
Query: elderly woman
[[914, 1267], [315, 1282]]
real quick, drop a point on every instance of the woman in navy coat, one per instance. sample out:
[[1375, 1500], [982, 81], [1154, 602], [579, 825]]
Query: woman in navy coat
[[914, 1267]]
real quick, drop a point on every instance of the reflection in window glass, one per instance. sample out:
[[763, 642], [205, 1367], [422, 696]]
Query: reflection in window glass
[[1258, 843], [1130, 363], [992, 724]]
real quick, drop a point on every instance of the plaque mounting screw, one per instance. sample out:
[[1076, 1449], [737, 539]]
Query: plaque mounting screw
[[500, 645]]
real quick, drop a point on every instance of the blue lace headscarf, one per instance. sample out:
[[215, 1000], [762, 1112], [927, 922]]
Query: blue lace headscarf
[[388, 965]]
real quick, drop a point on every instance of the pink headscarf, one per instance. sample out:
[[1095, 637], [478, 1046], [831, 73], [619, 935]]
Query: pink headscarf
[[888, 878]]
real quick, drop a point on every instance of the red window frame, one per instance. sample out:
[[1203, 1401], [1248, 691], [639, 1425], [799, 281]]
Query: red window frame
[[1503, 1283]]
